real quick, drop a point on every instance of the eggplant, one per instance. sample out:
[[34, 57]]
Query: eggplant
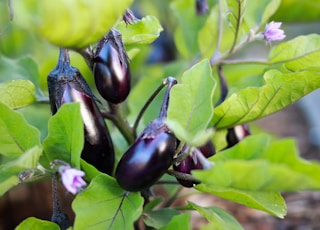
[[149, 157], [111, 69], [195, 160], [202, 7], [66, 85], [236, 134]]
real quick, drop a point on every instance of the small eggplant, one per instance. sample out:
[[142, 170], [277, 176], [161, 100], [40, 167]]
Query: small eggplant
[[236, 134], [195, 160], [67, 85], [202, 7], [111, 69], [150, 155]]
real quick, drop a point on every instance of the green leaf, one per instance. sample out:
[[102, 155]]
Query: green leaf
[[17, 136], [120, 209], [72, 23], [17, 93], [23, 68], [7, 180], [194, 97], [299, 53], [179, 222], [144, 31], [290, 11], [33, 223], [218, 218], [276, 167], [159, 218], [66, 135], [279, 91], [270, 202], [9, 171], [259, 12], [189, 24]]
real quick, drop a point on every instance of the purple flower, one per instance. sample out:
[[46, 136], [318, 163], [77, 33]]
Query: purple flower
[[72, 179], [272, 32]]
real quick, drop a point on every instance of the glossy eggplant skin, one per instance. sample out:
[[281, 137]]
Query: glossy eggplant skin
[[112, 73], [191, 162], [147, 159], [98, 148], [66, 85], [237, 134]]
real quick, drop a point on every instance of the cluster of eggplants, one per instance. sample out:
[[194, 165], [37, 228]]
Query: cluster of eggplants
[[111, 68], [193, 161], [66, 85], [148, 158]]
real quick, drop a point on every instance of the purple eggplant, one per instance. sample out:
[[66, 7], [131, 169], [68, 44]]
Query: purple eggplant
[[202, 7], [195, 160], [150, 155], [236, 134], [67, 85], [111, 69]]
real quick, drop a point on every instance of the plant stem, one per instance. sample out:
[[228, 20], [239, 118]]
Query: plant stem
[[146, 105], [121, 123], [183, 176]]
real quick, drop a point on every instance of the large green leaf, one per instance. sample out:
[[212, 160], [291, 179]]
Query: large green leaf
[[144, 31], [270, 202], [218, 218], [23, 68], [66, 135], [276, 167], [70, 23], [300, 53], [180, 222], [190, 105], [105, 205], [17, 93], [33, 223], [280, 90], [17, 136]]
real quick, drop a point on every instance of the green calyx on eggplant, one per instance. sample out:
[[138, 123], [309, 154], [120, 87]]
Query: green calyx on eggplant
[[196, 159], [237, 134], [67, 85], [111, 68], [149, 157]]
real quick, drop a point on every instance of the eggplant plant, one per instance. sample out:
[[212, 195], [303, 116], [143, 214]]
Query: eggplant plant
[[124, 164]]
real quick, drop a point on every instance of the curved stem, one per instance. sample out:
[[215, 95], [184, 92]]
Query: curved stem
[[146, 105], [164, 107]]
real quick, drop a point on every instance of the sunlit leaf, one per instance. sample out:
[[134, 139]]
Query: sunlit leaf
[[33, 223], [217, 218], [17, 93], [70, 23], [105, 205], [144, 31], [66, 135], [190, 103], [17, 136], [300, 53], [179, 222], [7, 180], [278, 91]]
